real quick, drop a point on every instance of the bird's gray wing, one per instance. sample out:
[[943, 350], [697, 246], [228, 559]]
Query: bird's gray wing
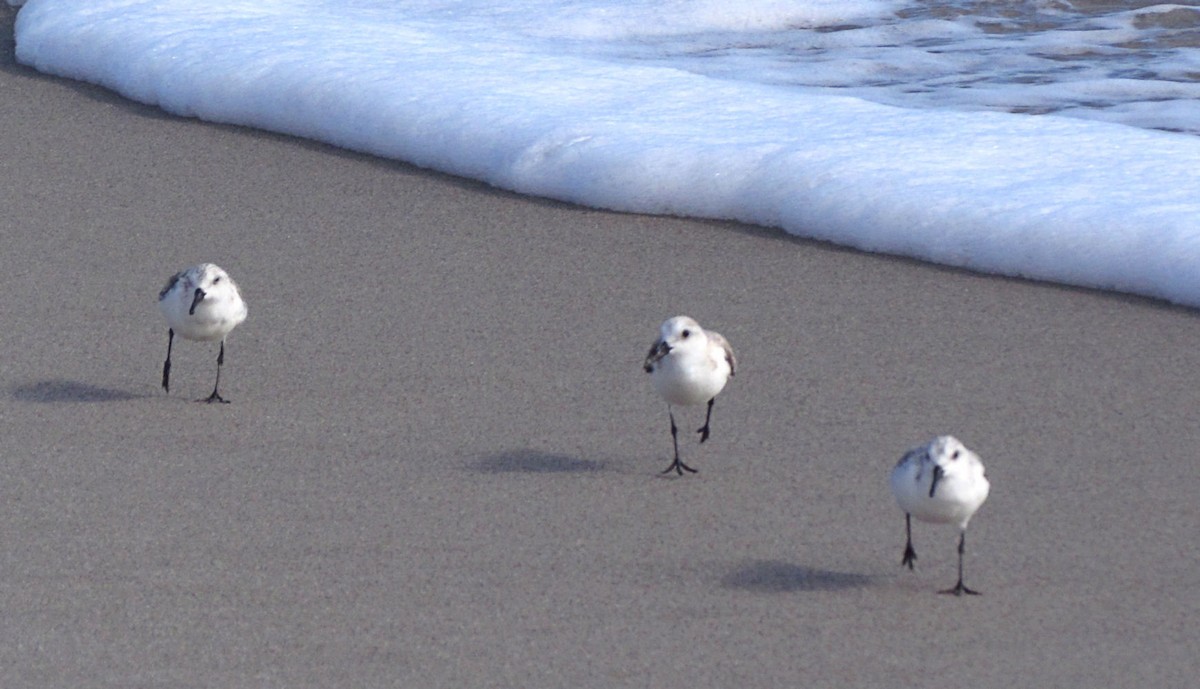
[[171, 284], [720, 340]]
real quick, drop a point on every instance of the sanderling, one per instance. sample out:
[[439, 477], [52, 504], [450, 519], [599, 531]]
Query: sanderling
[[941, 482], [689, 365], [201, 303]]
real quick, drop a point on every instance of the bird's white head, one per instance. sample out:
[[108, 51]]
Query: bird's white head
[[683, 333], [208, 282], [953, 459], [210, 277]]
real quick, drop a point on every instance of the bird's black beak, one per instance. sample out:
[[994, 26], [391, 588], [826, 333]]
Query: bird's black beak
[[657, 352], [196, 299], [938, 472]]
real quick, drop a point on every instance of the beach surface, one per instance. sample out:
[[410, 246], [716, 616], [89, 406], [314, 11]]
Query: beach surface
[[440, 464]]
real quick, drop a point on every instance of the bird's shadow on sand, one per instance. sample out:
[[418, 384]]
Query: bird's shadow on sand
[[773, 576], [526, 461], [70, 391]]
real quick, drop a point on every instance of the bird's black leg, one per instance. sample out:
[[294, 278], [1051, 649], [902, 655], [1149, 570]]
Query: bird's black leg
[[167, 364], [215, 397], [910, 555], [959, 589], [703, 430], [678, 466]]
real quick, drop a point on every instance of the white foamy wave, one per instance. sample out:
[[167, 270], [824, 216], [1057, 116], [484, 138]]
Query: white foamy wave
[[469, 88]]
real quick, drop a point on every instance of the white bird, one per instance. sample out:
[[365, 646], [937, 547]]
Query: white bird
[[201, 303], [689, 365], [941, 482]]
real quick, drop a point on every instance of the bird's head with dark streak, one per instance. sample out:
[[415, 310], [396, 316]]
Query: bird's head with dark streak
[[950, 461]]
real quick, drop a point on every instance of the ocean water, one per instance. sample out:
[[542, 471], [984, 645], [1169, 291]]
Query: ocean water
[[1051, 139]]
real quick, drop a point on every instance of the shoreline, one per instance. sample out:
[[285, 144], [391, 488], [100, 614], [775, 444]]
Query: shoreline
[[857, 193]]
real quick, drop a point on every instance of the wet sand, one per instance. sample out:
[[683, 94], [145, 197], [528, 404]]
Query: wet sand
[[440, 464]]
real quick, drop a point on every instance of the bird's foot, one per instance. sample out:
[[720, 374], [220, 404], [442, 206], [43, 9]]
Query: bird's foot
[[910, 556], [703, 433], [214, 397], [959, 589], [678, 467]]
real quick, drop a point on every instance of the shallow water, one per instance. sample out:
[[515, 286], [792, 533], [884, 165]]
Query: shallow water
[[1136, 63]]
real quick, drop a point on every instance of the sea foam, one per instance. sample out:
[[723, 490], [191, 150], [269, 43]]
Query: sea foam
[[548, 98]]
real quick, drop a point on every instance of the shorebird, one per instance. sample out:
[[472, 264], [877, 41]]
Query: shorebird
[[688, 366], [941, 482], [200, 303]]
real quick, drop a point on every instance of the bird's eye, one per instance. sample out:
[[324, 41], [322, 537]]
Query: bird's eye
[[216, 279], [954, 455], [686, 334]]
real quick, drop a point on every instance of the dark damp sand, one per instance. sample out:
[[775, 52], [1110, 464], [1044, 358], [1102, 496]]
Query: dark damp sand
[[440, 466]]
